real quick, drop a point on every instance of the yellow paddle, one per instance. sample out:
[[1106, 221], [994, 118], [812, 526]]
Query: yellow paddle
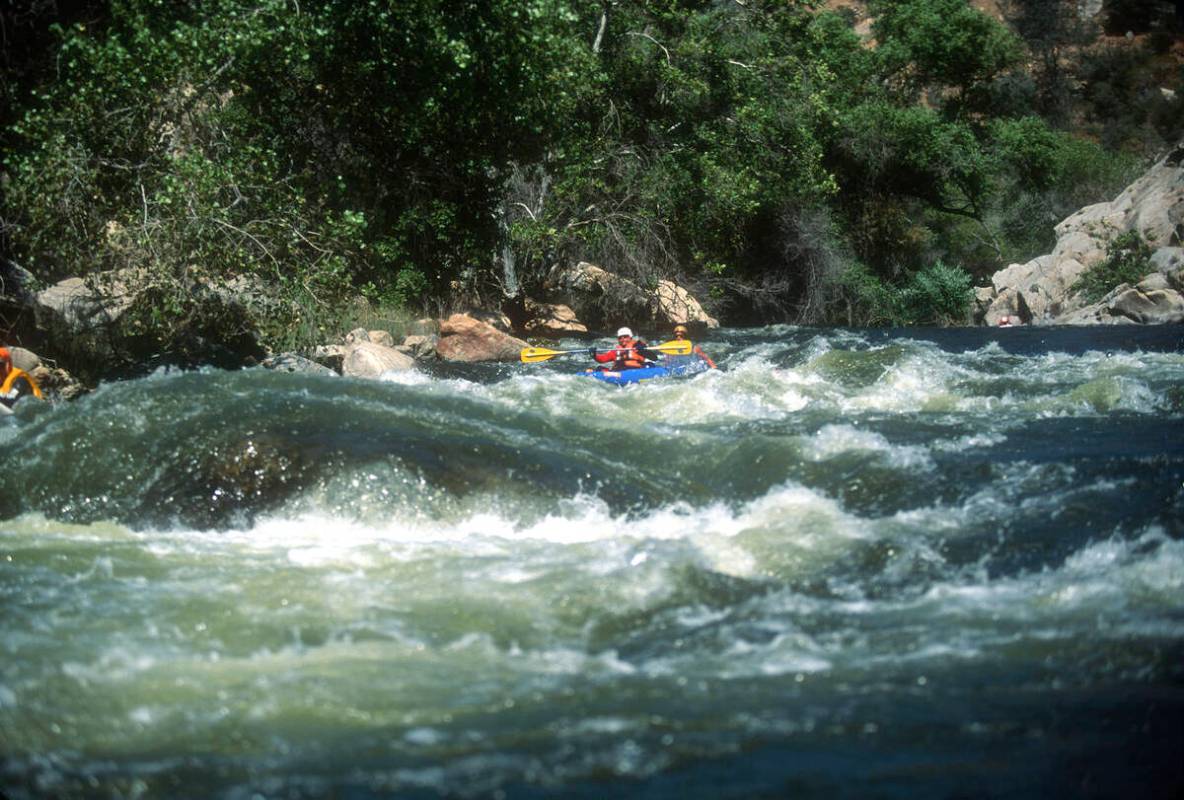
[[532, 355]]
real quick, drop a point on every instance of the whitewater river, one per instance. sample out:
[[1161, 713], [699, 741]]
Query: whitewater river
[[849, 564]]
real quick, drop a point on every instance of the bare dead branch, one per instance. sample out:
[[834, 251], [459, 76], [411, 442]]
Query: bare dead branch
[[655, 41]]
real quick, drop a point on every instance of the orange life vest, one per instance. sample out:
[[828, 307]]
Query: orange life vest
[[15, 375], [630, 358]]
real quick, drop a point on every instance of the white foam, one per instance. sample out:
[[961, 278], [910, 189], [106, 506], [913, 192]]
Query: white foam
[[833, 440]]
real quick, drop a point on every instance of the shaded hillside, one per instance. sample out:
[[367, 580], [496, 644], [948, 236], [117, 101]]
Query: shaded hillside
[[1109, 70]]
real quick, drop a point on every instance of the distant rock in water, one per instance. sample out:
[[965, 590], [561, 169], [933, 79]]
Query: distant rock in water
[[369, 360], [292, 362], [1041, 290]]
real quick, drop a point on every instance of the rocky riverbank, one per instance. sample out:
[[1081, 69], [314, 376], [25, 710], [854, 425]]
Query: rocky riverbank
[[80, 325], [1043, 291]]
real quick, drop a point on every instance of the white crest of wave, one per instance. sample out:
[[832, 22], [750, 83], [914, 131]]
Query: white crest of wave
[[1098, 588], [787, 529], [913, 384], [833, 440]]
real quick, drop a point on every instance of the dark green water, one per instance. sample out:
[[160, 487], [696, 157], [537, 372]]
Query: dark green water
[[897, 564]]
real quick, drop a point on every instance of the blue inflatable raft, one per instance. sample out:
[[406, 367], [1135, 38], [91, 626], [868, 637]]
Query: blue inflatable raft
[[625, 377]]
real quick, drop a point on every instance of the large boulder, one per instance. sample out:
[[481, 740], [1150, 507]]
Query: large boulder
[[1152, 302], [370, 360], [85, 307], [603, 299], [1040, 291], [674, 305], [107, 321], [553, 320], [597, 296], [463, 338]]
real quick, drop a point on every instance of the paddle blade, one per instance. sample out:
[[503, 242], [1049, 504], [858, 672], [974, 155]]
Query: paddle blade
[[532, 355], [675, 347]]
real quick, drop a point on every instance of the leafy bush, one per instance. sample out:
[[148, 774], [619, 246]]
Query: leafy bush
[[1128, 260], [936, 295], [867, 299]]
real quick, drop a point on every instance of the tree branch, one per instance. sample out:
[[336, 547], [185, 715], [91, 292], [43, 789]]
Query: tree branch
[[655, 41]]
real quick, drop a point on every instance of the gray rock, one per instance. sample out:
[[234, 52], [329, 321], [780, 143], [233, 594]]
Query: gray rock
[[674, 305], [983, 297], [357, 336], [24, 359], [1008, 304], [86, 306], [1147, 305], [16, 284], [1040, 291], [329, 355], [597, 296], [601, 298], [291, 362], [553, 320], [421, 347], [1168, 259], [383, 338]]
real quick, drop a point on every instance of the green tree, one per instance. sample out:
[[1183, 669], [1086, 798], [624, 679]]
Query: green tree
[[322, 147], [942, 43]]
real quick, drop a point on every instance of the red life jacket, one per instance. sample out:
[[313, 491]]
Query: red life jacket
[[624, 357]]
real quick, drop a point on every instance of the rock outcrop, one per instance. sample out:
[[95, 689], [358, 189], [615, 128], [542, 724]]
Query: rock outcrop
[[99, 321], [603, 299], [553, 320], [674, 305], [1041, 290], [291, 362]]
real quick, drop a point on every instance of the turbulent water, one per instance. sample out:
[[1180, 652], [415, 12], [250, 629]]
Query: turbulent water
[[848, 564]]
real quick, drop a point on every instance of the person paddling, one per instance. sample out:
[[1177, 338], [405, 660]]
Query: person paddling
[[14, 383], [629, 353], [680, 334]]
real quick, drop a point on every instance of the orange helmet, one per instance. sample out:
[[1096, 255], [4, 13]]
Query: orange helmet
[[5, 356]]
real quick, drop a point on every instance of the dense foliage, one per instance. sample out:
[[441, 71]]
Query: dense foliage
[[430, 153]]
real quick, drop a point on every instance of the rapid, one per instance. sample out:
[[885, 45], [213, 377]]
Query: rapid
[[920, 563]]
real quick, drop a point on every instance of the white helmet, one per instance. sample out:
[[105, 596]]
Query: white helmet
[[624, 332]]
